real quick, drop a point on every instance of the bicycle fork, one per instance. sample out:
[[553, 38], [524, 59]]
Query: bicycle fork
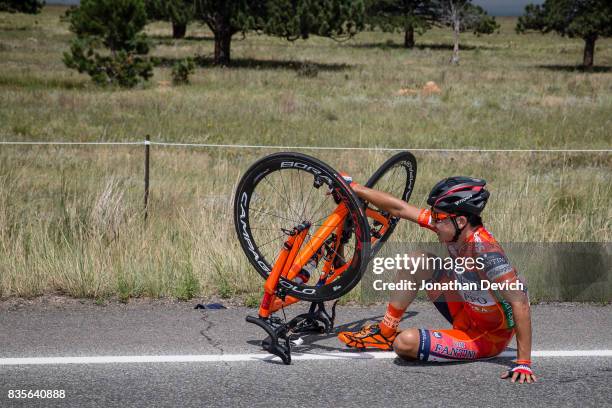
[[287, 255], [289, 263], [274, 327]]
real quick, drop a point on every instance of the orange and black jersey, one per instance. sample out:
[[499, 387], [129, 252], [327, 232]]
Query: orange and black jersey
[[486, 309]]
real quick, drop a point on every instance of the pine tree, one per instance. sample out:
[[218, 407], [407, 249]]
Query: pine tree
[[412, 16], [407, 16], [290, 19], [177, 12], [586, 19], [22, 6], [115, 25]]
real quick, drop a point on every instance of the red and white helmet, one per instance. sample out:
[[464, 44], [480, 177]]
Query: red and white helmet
[[459, 195]]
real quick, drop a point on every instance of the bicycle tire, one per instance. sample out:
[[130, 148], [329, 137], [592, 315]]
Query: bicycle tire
[[406, 163], [244, 216]]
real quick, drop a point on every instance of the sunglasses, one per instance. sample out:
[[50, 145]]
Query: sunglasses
[[439, 217]]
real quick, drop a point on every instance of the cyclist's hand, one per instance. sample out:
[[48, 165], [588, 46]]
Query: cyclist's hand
[[349, 181], [520, 372], [347, 178]]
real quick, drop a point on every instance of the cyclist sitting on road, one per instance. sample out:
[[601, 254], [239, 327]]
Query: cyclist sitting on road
[[484, 321]]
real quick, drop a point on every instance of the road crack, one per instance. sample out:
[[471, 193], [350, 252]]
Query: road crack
[[216, 344]]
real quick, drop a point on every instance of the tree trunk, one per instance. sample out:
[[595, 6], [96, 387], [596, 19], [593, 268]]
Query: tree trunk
[[455, 19], [456, 30], [223, 40], [409, 37], [178, 29], [589, 52]]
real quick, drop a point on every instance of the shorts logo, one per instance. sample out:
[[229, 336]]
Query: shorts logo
[[457, 353], [437, 335]]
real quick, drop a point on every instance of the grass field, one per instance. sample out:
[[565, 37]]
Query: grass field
[[71, 217]]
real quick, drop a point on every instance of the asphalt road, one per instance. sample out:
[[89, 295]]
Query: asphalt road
[[59, 329]]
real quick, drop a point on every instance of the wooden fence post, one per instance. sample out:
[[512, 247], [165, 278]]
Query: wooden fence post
[[146, 177]]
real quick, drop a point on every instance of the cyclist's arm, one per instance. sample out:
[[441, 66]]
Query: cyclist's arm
[[498, 269], [521, 311], [522, 319], [386, 202], [522, 324]]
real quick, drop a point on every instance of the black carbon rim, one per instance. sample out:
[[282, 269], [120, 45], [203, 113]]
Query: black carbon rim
[[282, 190], [395, 176]]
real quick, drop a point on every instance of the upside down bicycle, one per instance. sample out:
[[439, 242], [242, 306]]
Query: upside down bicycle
[[310, 237]]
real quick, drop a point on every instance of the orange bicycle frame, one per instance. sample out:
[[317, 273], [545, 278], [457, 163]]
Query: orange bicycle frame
[[294, 255]]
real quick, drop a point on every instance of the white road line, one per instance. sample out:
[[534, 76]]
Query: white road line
[[216, 358]]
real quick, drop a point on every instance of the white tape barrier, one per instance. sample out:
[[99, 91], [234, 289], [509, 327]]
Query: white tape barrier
[[73, 143], [378, 149]]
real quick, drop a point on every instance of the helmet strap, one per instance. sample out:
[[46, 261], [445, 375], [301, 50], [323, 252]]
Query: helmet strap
[[457, 229]]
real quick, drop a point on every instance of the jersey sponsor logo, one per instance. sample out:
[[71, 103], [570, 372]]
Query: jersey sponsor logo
[[508, 313], [478, 242], [468, 277], [496, 265], [480, 309], [478, 298], [494, 258], [499, 271]]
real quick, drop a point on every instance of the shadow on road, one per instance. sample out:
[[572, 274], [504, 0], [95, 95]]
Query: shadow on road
[[500, 361], [312, 342]]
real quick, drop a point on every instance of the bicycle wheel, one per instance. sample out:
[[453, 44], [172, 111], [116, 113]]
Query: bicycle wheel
[[282, 190], [396, 176]]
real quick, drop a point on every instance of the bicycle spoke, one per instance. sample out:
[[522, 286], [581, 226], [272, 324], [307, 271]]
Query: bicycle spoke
[[280, 195], [394, 180], [320, 219], [305, 201], [401, 180], [272, 240], [264, 229], [319, 207], [301, 190], [273, 215]]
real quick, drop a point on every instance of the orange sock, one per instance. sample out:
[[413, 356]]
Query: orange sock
[[392, 318]]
